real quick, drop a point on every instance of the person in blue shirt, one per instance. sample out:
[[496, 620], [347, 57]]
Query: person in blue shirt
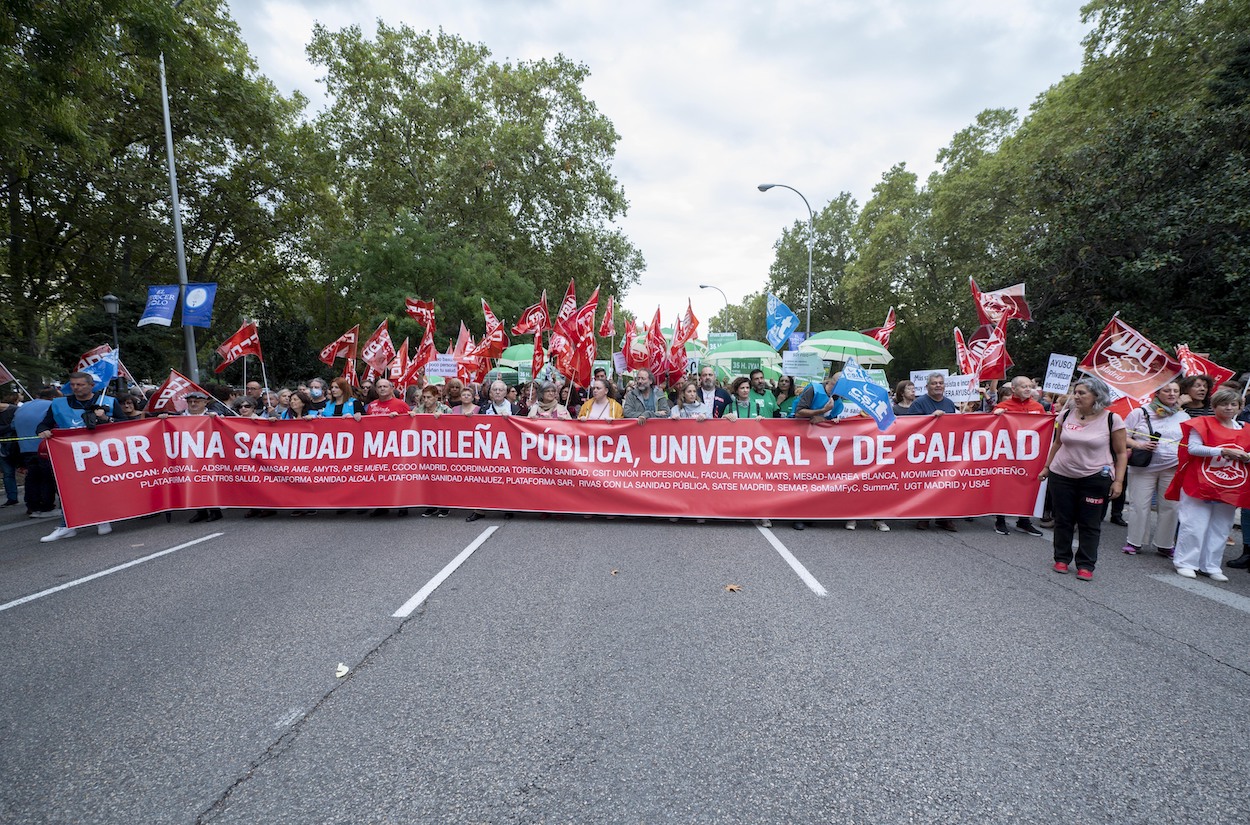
[[934, 402], [84, 407]]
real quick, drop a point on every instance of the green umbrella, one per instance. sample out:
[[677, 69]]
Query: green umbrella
[[516, 355], [725, 374], [840, 344], [743, 350]]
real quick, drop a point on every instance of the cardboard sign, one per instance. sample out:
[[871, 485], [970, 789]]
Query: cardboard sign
[[443, 366], [806, 364], [921, 378], [1059, 373]]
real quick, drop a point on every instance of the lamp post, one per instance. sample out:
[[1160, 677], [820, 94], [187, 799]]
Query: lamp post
[[112, 305], [811, 243], [188, 333]]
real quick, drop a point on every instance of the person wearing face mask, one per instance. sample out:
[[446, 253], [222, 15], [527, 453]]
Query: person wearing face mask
[[317, 392], [1155, 432]]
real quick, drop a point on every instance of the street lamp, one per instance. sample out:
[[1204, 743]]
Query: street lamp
[[112, 305], [811, 243], [718, 289], [188, 333]]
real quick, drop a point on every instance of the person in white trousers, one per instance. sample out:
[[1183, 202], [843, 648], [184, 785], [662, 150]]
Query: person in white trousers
[[1155, 428], [1205, 524]]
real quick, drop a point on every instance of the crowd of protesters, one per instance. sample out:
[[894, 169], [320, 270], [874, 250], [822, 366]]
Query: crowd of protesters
[[1088, 469]]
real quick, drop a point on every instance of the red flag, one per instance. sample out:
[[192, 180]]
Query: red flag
[[378, 350], [170, 397], [882, 333], [1194, 364], [577, 352], [534, 320], [345, 346], [5, 375], [657, 347], [494, 342], [349, 372], [1129, 361], [988, 349], [607, 328], [421, 311], [634, 348], [399, 365], [539, 359], [569, 305], [244, 342], [426, 351], [963, 358], [687, 328], [1001, 304]]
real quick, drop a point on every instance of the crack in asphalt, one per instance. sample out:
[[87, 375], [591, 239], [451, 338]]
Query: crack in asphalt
[[288, 737]]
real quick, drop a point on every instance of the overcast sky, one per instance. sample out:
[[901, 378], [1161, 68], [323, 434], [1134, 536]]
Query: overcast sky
[[713, 98]]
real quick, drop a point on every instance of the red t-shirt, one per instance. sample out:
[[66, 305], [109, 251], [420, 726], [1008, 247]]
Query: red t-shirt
[[391, 405], [1013, 404]]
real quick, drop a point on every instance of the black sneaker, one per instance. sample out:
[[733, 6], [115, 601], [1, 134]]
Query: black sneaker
[[1026, 526], [429, 512], [1000, 527]]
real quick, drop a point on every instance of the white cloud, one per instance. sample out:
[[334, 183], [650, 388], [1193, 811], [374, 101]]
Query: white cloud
[[713, 98]]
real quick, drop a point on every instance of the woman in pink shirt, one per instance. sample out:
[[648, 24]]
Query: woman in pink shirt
[[1086, 467]]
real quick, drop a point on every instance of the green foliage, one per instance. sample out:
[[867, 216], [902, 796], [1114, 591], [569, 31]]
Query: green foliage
[[749, 318]]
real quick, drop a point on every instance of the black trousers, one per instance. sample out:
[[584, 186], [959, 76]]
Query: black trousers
[[1078, 507], [40, 483]]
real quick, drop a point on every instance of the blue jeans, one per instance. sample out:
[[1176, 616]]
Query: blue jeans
[[10, 480]]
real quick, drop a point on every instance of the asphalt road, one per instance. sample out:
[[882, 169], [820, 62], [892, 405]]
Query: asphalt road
[[574, 670]]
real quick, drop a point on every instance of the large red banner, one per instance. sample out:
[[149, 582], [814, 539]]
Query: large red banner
[[922, 467]]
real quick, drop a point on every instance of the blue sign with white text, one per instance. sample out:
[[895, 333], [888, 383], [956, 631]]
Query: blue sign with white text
[[197, 306], [162, 300], [857, 386]]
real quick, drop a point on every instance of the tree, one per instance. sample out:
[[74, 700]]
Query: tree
[[832, 253], [494, 162]]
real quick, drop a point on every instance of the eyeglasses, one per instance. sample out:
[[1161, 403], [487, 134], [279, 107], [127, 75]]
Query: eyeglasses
[[249, 406]]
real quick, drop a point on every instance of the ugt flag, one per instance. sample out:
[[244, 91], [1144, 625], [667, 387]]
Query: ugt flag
[[856, 385], [781, 322], [160, 306]]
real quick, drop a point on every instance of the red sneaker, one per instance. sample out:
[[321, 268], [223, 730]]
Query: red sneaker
[[1060, 567], [1085, 575]]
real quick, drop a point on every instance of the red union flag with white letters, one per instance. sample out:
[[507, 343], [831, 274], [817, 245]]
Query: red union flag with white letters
[[244, 342], [1129, 361], [922, 467]]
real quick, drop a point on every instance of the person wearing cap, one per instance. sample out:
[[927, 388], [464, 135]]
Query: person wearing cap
[[82, 408], [197, 405]]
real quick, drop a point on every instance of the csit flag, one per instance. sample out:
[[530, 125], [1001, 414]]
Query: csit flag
[[781, 322], [857, 385]]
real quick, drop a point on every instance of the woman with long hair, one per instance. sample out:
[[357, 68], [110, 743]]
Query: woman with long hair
[[299, 406], [689, 403], [785, 396], [1196, 395]]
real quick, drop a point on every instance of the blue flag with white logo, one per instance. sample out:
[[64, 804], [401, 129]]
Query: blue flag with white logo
[[781, 322], [102, 372], [197, 306], [160, 308], [857, 386]]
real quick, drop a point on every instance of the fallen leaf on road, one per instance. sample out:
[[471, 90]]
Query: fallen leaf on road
[[614, 572], [734, 588], [342, 671]]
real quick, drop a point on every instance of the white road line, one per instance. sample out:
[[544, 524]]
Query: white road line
[[795, 564], [430, 586], [1207, 591], [28, 521], [116, 569]]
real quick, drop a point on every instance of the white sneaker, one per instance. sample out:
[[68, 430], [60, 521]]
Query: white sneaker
[[1186, 572], [882, 526], [1217, 576], [53, 513], [60, 533], [850, 525], [104, 529]]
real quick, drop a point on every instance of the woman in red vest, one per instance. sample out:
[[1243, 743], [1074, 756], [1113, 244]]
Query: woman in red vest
[[1211, 482]]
